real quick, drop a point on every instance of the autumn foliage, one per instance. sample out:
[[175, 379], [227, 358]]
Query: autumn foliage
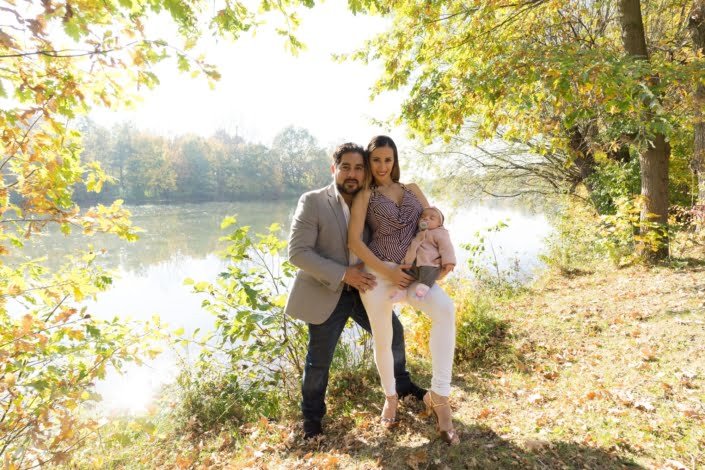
[[59, 59]]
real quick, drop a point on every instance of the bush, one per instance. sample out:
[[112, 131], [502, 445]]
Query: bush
[[611, 181], [573, 245], [207, 398], [584, 240], [485, 267], [481, 337], [256, 353]]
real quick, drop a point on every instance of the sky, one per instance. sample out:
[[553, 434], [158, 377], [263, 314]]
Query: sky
[[264, 88]]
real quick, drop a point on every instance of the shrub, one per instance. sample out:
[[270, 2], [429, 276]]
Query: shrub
[[207, 398], [481, 337], [584, 240], [574, 244], [484, 264]]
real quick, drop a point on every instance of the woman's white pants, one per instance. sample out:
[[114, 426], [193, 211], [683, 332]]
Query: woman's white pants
[[437, 305]]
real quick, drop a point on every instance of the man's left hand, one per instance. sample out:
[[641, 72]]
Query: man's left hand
[[359, 279]]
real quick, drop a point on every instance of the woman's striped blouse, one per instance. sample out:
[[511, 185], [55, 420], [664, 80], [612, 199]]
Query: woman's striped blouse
[[393, 227]]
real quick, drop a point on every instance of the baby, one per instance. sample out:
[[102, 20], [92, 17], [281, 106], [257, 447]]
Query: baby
[[430, 250]]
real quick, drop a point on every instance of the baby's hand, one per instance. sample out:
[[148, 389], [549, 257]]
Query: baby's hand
[[445, 269]]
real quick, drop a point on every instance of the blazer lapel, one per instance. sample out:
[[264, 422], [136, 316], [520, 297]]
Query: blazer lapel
[[339, 216]]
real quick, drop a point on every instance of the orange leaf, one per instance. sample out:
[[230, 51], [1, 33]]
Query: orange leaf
[[184, 461], [27, 322]]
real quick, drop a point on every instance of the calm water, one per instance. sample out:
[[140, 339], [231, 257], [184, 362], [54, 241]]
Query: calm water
[[181, 241]]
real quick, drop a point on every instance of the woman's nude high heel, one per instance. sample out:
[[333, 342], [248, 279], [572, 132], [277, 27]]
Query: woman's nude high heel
[[390, 408], [441, 410]]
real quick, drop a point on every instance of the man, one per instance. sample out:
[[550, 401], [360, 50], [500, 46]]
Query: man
[[326, 289]]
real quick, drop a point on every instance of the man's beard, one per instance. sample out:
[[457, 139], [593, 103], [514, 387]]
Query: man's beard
[[343, 190]]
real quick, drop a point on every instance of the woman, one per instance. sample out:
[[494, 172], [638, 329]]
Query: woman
[[392, 211]]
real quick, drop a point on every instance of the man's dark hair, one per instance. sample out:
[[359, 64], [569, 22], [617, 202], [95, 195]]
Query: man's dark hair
[[347, 147]]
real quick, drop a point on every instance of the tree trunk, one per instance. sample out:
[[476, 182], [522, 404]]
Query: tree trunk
[[633, 36], [654, 181], [696, 24], [654, 161]]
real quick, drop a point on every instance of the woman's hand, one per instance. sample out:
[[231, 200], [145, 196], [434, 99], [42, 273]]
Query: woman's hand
[[398, 277], [445, 270]]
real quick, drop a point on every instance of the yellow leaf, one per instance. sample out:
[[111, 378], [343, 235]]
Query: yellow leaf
[[10, 379], [648, 354], [76, 334], [77, 294]]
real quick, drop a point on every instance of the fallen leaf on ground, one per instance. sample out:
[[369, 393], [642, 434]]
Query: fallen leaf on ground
[[535, 398], [184, 461], [327, 461], [535, 445], [673, 465], [648, 353], [417, 458], [644, 405], [687, 410]]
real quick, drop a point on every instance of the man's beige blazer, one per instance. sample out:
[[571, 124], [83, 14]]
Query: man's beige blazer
[[318, 246]]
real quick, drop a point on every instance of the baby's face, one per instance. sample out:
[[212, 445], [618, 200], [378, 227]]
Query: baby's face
[[429, 220]]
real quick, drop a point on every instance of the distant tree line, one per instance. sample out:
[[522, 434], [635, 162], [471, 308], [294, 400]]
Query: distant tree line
[[149, 168]]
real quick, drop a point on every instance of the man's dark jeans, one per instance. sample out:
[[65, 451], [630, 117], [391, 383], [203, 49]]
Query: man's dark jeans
[[322, 340]]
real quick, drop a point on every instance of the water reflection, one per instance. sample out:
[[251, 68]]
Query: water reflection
[[172, 232]]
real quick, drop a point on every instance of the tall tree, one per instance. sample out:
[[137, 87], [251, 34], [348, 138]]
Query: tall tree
[[195, 178], [654, 160], [301, 158], [120, 150], [696, 24]]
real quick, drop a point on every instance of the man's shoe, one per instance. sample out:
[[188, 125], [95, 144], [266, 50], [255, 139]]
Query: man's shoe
[[414, 391], [312, 429]]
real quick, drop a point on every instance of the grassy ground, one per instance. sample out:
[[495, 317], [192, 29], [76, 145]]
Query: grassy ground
[[603, 370]]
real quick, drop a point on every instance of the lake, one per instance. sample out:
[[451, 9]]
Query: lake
[[181, 241]]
